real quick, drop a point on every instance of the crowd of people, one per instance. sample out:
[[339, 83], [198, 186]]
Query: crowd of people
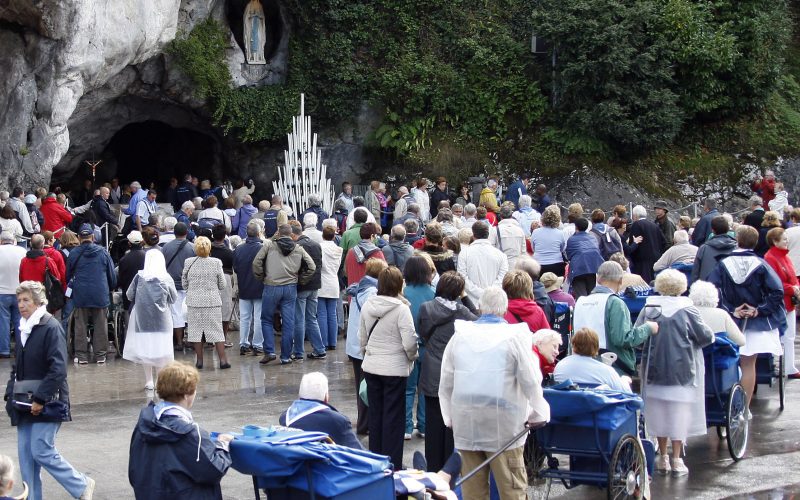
[[446, 304]]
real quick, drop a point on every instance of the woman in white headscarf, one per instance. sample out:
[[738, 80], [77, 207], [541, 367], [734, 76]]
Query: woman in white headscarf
[[149, 338]]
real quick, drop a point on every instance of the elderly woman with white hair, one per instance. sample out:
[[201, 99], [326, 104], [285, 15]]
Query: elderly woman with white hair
[[546, 345], [672, 370], [310, 223], [705, 297], [526, 215], [681, 252], [312, 412], [490, 386], [315, 207]]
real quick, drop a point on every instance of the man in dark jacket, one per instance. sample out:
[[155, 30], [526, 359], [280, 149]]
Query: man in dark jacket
[[720, 245], [313, 413], [305, 318], [91, 277], [645, 253], [185, 192], [130, 264], [662, 221], [41, 359], [584, 259], [703, 227], [756, 215], [250, 292], [315, 206], [101, 208], [175, 254], [517, 189], [397, 251], [184, 215], [440, 193]]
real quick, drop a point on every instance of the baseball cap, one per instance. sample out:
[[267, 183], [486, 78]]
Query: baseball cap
[[135, 237], [86, 230]]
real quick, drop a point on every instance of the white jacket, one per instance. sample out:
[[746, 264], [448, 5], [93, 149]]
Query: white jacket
[[424, 202], [391, 348], [331, 258], [490, 385], [511, 241], [481, 265]]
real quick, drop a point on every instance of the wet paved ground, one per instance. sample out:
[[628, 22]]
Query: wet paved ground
[[106, 401]]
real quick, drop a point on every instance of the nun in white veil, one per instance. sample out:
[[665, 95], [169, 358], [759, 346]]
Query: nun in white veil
[[149, 338]]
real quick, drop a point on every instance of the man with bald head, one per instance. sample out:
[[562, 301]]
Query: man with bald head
[[101, 208]]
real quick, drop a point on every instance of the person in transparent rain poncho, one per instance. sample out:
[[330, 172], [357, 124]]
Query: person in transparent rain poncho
[[149, 338]]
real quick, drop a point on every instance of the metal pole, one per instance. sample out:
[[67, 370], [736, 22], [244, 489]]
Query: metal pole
[[495, 455]]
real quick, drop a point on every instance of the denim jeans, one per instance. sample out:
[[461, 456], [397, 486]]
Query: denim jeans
[[305, 323], [274, 297], [9, 321], [412, 389], [340, 313], [36, 448], [326, 313], [65, 312], [249, 310]]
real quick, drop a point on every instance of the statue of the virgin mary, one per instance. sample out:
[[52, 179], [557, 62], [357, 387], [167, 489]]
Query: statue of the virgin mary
[[255, 32]]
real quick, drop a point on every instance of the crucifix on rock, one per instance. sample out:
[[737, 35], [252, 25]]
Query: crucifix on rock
[[93, 164]]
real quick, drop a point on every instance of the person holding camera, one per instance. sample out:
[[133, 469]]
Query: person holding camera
[[778, 258]]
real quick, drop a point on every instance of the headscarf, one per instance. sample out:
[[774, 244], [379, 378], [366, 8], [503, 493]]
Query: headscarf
[[154, 266]]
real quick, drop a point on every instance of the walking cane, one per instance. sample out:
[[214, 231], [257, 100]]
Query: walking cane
[[495, 455]]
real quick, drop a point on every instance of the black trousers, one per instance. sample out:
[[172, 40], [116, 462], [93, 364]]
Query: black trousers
[[362, 422], [387, 416], [439, 443], [583, 285], [557, 269]]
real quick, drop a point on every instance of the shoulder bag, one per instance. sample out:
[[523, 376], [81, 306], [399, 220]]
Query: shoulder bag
[[53, 289]]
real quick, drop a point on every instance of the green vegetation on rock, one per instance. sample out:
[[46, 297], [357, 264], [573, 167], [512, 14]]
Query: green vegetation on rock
[[684, 88]]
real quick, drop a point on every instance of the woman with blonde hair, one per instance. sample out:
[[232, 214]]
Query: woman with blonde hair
[[672, 370], [771, 219], [203, 279]]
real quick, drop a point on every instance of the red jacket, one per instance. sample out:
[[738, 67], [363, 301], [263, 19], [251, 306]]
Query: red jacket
[[778, 259], [56, 217], [765, 188], [529, 312], [58, 259], [356, 270], [32, 267], [547, 367]]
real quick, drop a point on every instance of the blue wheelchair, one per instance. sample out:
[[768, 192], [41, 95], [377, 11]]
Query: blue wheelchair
[[770, 371], [726, 401], [598, 430]]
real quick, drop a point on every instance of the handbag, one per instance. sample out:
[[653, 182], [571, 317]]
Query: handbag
[[22, 394], [53, 290]]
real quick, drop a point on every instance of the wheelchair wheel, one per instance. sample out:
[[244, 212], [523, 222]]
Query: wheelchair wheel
[[535, 462], [627, 470], [737, 426], [121, 328], [781, 382]]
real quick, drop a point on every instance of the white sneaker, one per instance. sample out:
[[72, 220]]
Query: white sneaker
[[149, 386], [407, 436], [679, 468], [89, 491], [662, 464]]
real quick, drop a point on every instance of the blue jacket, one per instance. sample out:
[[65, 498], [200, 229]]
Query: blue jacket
[[173, 459], [543, 203], [182, 217], [43, 358], [583, 254], [515, 190], [240, 220], [92, 278], [743, 277], [322, 418], [321, 215], [250, 287], [703, 228]]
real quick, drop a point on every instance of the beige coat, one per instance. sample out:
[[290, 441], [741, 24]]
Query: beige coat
[[392, 347]]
